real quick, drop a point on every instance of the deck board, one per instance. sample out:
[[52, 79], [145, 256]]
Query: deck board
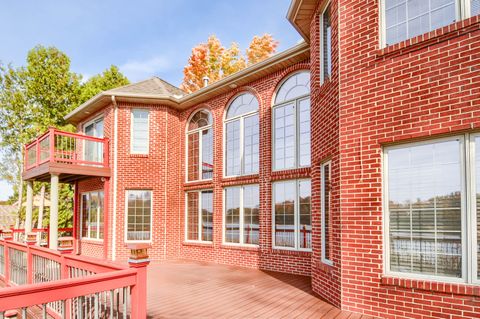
[[186, 289]]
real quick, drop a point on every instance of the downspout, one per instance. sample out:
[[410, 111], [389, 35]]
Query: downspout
[[115, 160]]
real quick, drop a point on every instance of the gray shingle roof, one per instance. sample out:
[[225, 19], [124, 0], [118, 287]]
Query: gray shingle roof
[[154, 86]]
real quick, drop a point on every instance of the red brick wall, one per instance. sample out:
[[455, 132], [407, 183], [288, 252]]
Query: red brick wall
[[418, 89], [325, 147]]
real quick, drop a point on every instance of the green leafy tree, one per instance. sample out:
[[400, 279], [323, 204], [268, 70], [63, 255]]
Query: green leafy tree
[[108, 79]]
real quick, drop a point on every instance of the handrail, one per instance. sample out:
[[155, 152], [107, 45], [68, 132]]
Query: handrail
[[66, 147], [41, 293]]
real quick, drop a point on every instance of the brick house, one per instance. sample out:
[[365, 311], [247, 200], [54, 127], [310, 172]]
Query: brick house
[[350, 158]]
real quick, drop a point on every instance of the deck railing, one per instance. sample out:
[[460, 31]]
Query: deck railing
[[43, 233], [43, 282], [64, 147]]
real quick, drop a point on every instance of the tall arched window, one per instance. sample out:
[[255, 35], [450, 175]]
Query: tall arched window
[[291, 123], [241, 136], [200, 147]]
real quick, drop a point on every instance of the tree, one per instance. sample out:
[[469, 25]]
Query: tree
[[109, 79], [213, 60], [35, 97]]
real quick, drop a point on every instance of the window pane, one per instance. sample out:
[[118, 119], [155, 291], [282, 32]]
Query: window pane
[[251, 207], [233, 148], [304, 194], [139, 211], [424, 198], [250, 152], [304, 131], [192, 216], [297, 85], [193, 153], [408, 18], [140, 131], [326, 189], [284, 200], [327, 44], [285, 137], [477, 188], [200, 119], [474, 7], [207, 154], [232, 215], [85, 214], [207, 215], [100, 215], [242, 104]]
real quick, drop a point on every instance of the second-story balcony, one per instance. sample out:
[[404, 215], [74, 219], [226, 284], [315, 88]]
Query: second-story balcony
[[71, 156]]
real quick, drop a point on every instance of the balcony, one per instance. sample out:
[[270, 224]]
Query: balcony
[[70, 156]]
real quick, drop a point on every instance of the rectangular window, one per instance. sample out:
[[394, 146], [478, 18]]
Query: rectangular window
[[200, 216], [241, 220], [474, 7], [250, 147], [325, 45], [424, 193], [233, 148], [140, 131], [292, 224], [325, 207], [292, 135], [94, 150], [92, 215], [139, 215]]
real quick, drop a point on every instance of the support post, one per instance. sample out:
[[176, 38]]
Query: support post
[[29, 210], [7, 236], [53, 236], [139, 260]]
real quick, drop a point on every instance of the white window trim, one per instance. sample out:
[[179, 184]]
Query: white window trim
[[462, 8], [296, 101], [98, 239], [323, 238], [322, 44], [200, 215], [198, 131], [466, 233], [296, 215], [126, 216], [131, 132], [241, 118], [241, 243]]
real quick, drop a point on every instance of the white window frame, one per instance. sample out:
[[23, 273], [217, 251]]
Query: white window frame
[[462, 11], [241, 118], [323, 238], [466, 180], [295, 101], [131, 132], [88, 237], [200, 145], [296, 215], [242, 222], [84, 126], [200, 215], [126, 240], [322, 44]]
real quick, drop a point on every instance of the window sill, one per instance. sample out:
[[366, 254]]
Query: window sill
[[92, 241], [322, 266], [291, 252], [194, 185], [294, 173], [443, 287], [241, 247], [240, 180], [198, 243], [433, 37], [139, 155]]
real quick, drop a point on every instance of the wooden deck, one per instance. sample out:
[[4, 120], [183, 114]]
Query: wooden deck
[[181, 289]]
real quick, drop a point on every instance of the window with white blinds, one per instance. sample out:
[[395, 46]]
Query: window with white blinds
[[431, 192], [139, 131]]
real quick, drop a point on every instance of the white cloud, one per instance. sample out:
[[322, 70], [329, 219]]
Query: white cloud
[[141, 70]]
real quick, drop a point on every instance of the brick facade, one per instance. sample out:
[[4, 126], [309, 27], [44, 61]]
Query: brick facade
[[419, 89]]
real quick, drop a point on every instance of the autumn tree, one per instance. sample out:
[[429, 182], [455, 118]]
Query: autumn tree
[[215, 61]]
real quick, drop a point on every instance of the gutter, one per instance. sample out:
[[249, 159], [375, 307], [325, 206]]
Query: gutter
[[115, 161]]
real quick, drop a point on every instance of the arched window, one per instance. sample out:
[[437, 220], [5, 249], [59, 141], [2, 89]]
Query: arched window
[[241, 136], [200, 146], [291, 123]]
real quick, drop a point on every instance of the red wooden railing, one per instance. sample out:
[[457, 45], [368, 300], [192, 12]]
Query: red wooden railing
[[42, 281], [44, 233], [65, 147]]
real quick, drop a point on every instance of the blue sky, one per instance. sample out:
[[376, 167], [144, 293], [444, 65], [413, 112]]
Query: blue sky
[[143, 38]]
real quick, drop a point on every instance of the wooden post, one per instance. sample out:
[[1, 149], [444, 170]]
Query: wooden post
[[65, 247], [7, 236], [76, 219], [53, 236], [139, 260], [29, 210]]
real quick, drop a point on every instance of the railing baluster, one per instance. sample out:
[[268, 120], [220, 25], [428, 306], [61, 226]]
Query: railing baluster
[[96, 305], [44, 311], [125, 303], [2, 314], [24, 313], [112, 296]]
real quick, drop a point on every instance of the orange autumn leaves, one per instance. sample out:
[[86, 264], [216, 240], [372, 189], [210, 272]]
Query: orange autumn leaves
[[214, 60]]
